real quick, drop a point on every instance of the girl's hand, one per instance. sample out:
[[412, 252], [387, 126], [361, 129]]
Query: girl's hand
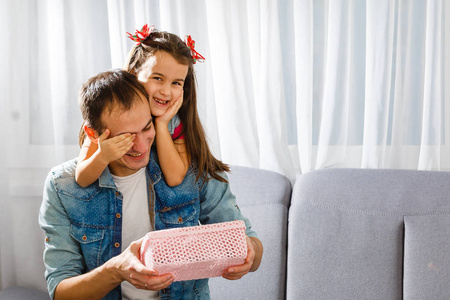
[[171, 111], [115, 147]]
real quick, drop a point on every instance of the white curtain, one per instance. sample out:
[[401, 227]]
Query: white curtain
[[289, 86]]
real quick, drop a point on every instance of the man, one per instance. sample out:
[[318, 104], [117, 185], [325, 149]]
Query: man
[[87, 255]]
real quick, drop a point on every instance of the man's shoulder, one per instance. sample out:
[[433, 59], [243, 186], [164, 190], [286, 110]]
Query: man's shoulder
[[64, 170]]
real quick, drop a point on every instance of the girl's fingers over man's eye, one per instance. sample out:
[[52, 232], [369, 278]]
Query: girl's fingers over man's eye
[[104, 135]]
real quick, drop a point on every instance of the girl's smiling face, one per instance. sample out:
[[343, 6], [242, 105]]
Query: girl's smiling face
[[163, 78]]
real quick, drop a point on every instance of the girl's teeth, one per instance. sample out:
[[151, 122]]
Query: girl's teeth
[[160, 101]]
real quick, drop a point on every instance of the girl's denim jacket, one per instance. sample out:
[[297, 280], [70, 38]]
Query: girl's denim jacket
[[83, 226]]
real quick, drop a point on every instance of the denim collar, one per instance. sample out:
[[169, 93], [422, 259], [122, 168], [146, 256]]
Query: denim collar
[[154, 173], [106, 180], [153, 170]]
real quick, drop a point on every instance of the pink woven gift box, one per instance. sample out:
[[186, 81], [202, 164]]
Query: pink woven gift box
[[195, 252]]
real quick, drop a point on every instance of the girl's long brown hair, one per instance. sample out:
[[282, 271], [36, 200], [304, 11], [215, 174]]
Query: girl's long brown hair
[[194, 134]]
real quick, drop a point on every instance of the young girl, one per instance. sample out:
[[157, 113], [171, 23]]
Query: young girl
[[164, 64]]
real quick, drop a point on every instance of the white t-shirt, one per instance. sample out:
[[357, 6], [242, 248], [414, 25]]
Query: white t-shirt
[[135, 222]]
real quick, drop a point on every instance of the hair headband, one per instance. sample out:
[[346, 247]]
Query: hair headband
[[144, 33]]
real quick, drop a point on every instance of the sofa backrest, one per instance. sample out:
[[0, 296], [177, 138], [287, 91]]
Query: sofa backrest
[[369, 234], [264, 197]]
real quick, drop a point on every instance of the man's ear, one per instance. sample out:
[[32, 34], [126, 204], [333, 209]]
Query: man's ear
[[91, 134]]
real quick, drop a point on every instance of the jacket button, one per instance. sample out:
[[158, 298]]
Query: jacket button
[[84, 238], [118, 216], [180, 219], [117, 245], [47, 239], [117, 193]]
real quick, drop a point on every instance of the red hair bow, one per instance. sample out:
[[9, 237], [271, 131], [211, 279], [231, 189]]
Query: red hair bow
[[191, 44], [141, 35]]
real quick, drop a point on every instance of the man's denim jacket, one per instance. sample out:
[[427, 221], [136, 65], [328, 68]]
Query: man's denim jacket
[[83, 226]]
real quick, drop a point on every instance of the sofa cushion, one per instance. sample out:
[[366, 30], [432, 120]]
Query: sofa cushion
[[263, 196], [427, 262], [335, 253]]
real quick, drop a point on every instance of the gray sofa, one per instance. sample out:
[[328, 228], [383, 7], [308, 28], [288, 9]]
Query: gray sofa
[[343, 234], [351, 234]]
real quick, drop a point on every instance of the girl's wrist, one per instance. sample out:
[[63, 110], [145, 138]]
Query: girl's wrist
[[161, 127], [101, 158], [160, 122]]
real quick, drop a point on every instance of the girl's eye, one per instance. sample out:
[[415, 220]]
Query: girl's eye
[[157, 78], [177, 83]]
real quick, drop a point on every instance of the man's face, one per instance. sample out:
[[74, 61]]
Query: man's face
[[137, 121]]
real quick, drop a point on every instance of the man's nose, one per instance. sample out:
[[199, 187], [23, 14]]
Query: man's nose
[[141, 143]]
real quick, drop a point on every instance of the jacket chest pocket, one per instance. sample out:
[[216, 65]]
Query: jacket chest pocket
[[91, 241], [179, 216]]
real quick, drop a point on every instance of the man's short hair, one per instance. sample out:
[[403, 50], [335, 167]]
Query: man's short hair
[[106, 91]]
